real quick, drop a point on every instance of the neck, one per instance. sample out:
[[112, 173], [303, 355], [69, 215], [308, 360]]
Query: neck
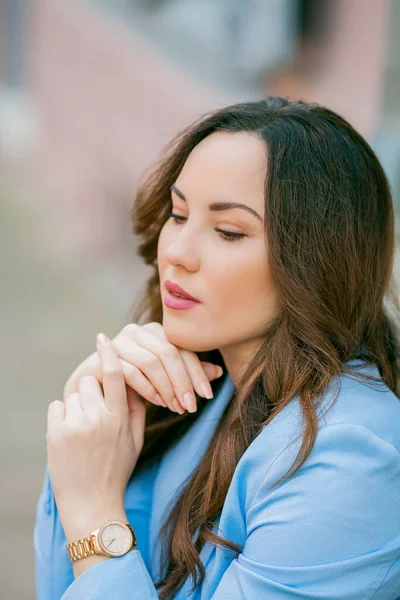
[[237, 357]]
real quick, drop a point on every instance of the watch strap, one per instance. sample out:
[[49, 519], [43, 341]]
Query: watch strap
[[81, 548]]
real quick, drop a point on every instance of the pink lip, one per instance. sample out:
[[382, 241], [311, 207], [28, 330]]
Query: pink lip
[[175, 288], [178, 303]]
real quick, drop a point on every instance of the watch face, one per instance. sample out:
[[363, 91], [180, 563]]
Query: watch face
[[115, 538]]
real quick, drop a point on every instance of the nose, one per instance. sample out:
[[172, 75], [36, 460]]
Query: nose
[[182, 250]]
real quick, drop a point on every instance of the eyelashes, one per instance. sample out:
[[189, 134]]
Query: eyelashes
[[228, 236]]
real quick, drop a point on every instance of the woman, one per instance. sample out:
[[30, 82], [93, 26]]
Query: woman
[[276, 217]]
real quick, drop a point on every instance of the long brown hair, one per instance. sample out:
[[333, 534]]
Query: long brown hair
[[329, 226]]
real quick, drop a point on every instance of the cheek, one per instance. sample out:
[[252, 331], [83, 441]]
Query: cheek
[[242, 282]]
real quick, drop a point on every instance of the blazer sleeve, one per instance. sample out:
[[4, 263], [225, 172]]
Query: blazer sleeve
[[53, 569], [54, 575], [119, 578], [332, 531]]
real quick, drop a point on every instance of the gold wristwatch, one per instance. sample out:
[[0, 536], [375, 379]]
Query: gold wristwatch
[[113, 538]]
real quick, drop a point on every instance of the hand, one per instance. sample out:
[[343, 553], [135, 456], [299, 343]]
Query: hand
[[159, 371], [94, 441]]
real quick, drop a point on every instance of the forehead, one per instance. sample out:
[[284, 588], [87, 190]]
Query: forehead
[[226, 164]]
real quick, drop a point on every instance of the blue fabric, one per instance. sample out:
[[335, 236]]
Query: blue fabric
[[331, 532]]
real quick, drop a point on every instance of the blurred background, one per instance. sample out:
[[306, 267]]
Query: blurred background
[[90, 92]]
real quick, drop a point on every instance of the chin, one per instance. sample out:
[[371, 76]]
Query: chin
[[185, 338]]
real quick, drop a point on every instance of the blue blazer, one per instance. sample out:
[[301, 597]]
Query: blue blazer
[[332, 531]]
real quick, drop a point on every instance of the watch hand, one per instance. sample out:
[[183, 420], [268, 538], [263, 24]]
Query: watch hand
[[113, 540]]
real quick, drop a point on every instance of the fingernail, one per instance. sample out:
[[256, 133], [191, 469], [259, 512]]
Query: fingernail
[[102, 339], [190, 402], [179, 409], [220, 371], [206, 389], [158, 399]]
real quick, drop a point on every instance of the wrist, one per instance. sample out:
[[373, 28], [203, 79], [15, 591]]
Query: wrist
[[83, 522]]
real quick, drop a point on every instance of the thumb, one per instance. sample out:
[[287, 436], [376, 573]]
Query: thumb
[[212, 371], [137, 417]]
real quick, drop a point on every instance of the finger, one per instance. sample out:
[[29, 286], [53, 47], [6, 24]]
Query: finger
[[171, 360], [201, 373], [149, 364], [135, 379], [137, 417], [91, 395], [90, 366], [55, 416], [158, 330], [211, 370], [113, 377], [73, 407], [176, 405]]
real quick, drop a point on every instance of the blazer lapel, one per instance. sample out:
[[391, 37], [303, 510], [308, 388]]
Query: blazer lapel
[[180, 461]]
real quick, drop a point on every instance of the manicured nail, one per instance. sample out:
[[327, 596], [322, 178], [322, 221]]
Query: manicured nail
[[102, 339], [178, 407], [220, 371], [206, 389], [161, 401], [190, 402]]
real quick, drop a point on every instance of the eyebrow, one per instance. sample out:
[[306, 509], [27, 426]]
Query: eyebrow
[[220, 205]]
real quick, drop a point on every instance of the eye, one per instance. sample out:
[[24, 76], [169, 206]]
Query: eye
[[228, 236]]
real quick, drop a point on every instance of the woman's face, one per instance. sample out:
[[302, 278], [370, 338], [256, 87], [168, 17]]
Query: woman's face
[[229, 276]]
